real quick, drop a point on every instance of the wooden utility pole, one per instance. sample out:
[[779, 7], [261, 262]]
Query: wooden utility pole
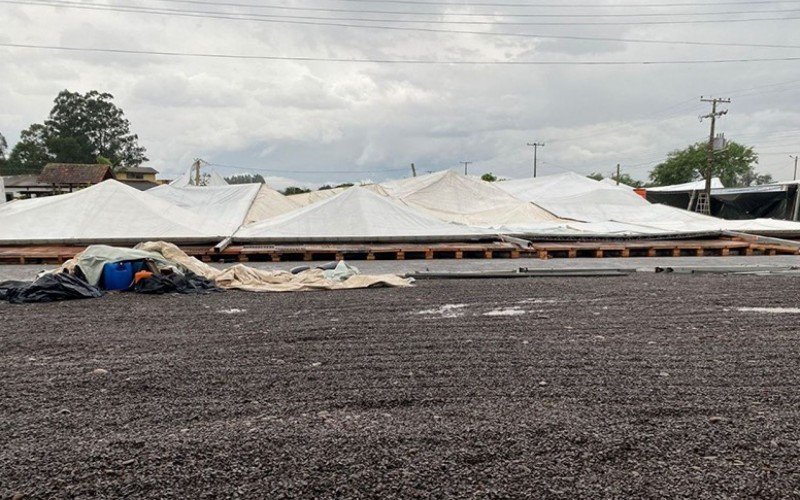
[[710, 158], [413, 170], [466, 163], [794, 177], [617, 174], [535, 146], [196, 167]]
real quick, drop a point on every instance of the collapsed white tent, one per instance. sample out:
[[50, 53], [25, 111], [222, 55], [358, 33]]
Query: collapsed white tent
[[109, 212], [454, 197], [229, 206], [573, 196], [700, 185], [357, 214], [311, 197]]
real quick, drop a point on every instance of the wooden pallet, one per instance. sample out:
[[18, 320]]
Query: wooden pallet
[[541, 250]]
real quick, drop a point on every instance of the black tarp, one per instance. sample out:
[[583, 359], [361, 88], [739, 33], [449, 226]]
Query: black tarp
[[49, 288], [175, 283], [737, 204]]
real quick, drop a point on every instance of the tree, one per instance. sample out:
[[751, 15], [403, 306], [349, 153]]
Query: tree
[[3, 148], [325, 187], [79, 129], [245, 179], [294, 190], [489, 177], [735, 166], [597, 176], [623, 179], [30, 154]]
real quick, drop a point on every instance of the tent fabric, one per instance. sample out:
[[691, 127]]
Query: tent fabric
[[93, 258], [305, 199], [572, 196], [106, 212], [241, 277], [700, 185], [208, 180], [458, 198], [269, 203], [218, 206], [612, 182], [357, 214]]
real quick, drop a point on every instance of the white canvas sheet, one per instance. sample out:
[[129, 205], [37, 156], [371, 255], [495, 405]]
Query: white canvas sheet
[[107, 212], [458, 198], [356, 214], [689, 186], [217, 206]]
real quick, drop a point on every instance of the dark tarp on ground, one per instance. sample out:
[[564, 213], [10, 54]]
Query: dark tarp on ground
[[175, 283], [48, 288], [756, 202]]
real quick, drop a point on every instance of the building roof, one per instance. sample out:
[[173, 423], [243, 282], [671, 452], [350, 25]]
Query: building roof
[[25, 180], [139, 170], [75, 173], [141, 185]]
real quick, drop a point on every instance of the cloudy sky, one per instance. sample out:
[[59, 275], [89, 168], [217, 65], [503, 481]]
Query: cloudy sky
[[325, 121]]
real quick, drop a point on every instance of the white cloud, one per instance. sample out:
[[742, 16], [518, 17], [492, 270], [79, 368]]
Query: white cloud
[[302, 118]]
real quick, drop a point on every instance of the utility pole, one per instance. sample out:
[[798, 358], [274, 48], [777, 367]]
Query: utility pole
[[196, 167], [535, 146], [710, 161], [413, 170], [465, 166], [617, 174], [794, 178]]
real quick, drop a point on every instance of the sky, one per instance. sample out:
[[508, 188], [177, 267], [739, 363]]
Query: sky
[[311, 122]]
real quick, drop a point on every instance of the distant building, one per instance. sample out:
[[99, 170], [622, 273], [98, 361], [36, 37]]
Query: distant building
[[67, 177], [26, 186], [141, 178]]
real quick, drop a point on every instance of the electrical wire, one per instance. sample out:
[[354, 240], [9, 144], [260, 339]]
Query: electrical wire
[[574, 5], [212, 15], [295, 171], [473, 14], [392, 61]]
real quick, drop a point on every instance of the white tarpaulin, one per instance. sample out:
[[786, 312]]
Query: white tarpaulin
[[228, 206], [573, 196], [357, 214], [453, 197], [107, 212], [688, 186]]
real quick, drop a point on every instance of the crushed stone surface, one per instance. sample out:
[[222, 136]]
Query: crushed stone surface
[[645, 386]]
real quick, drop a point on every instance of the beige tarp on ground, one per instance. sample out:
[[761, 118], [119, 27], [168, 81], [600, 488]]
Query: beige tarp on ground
[[242, 277]]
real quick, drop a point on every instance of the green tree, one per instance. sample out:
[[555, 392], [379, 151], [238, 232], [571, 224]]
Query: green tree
[[295, 190], [735, 166], [79, 129], [623, 179], [325, 187], [30, 154], [245, 179], [489, 177], [3, 149], [597, 176]]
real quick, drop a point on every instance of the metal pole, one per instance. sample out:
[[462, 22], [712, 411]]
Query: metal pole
[[794, 178], [617, 174], [535, 146]]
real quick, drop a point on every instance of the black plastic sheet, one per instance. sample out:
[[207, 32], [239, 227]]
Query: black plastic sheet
[[48, 288], [175, 283]]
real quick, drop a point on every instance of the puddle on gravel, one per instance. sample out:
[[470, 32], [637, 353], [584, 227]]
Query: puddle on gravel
[[506, 311], [770, 310], [446, 311], [232, 311]]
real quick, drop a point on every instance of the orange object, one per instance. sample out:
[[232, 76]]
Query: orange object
[[641, 192], [141, 275]]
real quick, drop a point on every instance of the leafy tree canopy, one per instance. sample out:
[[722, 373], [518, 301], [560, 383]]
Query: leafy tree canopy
[[3, 147], [245, 179], [488, 177], [80, 128], [295, 190], [735, 166], [623, 179]]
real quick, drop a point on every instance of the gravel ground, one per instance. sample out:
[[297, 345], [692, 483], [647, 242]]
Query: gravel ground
[[646, 386]]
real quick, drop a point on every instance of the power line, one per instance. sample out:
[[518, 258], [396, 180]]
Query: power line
[[474, 14], [212, 15], [572, 5], [392, 61]]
